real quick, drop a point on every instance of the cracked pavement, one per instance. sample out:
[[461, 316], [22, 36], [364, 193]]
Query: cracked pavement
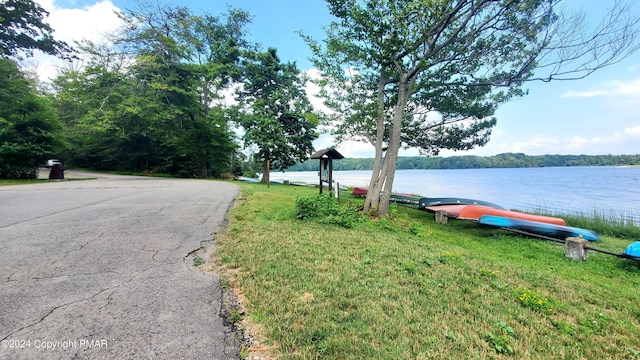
[[103, 269]]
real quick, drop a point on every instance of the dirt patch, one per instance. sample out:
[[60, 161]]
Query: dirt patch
[[255, 346]]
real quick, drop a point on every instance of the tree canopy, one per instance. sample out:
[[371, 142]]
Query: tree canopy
[[155, 100], [29, 127], [277, 115], [430, 74], [148, 102], [23, 30]]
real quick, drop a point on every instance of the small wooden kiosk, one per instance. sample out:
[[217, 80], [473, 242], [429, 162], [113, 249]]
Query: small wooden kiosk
[[326, 157]]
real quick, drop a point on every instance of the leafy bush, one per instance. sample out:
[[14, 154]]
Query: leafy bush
[[326, 210]]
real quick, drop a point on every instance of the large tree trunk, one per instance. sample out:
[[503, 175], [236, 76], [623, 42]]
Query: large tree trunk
[[375, 184], [391, 157], [266, 171]]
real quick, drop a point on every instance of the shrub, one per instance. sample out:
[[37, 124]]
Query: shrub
[[326, 210], [316, 206]]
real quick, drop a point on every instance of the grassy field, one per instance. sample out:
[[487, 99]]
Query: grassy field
[[409, 288]]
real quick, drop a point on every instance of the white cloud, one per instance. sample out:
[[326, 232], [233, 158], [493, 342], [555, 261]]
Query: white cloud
[[313, 90], [627, 88], [634, 131], [624, 142], [91, 22]]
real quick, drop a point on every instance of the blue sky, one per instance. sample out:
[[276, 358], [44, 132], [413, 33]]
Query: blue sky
[[596, 115]]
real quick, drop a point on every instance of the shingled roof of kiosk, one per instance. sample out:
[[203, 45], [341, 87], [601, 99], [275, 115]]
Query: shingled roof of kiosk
[[330, 153]]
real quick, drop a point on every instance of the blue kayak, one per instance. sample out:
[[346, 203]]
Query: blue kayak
[[537, 228], [633, 249]]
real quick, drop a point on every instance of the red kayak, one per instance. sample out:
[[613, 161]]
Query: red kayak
[[475, 212], [359, 192]]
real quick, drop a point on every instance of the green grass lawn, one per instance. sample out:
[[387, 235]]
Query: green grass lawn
[[409, 288]]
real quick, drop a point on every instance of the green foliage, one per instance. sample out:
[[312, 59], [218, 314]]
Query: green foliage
[[22, 29], [159, 114], [500, 342], [597, 324], [315, 206], [278, 116], [30, 131], [326, 210], [533, 300], [235, 316]]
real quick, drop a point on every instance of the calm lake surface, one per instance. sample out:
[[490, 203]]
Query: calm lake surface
[[613, 191]]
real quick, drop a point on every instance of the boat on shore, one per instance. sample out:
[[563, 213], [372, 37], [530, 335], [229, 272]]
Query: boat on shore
[[453, 211], [633, 250], [427, 202], [537, 228], [475, 212], [400, 198]]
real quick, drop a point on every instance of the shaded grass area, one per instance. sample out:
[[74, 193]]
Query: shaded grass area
[[381, 291]]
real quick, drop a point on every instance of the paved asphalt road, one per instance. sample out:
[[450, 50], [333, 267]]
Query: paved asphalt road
[[103, 269]]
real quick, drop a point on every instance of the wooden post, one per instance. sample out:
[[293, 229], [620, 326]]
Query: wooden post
[[320, 175], [574, 248], [267, 173], [330, 175], [441, 216]]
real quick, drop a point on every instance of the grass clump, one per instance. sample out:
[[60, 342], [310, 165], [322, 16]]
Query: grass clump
[[408, 288]]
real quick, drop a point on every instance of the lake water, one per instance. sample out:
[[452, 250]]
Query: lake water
[[614, 191]]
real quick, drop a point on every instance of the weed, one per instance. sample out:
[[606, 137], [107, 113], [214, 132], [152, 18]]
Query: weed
[[198, 261], [224, 282], [594, 324], [447, 257], [533, 300], [427, 260], [500, 343], [415, 228], [235, 316], [488, 273], [409, 267], [565, 328]]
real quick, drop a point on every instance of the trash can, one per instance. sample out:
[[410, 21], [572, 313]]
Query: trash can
[[57, 171]]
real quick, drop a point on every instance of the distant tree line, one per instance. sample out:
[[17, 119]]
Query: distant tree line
[[506, 160]]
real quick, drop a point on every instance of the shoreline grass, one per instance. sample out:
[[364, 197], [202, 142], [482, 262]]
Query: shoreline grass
[[409, 288], [603, 222]]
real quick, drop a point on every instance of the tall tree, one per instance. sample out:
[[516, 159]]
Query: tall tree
[[278, 116], [29, 127], [22, 29], [431, 73]]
